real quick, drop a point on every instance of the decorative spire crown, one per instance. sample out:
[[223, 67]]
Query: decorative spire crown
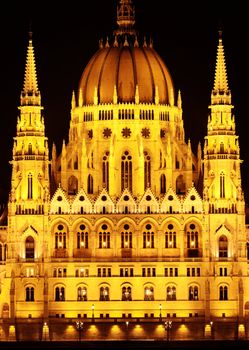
[[30, 94], [220, 93], [220, 81], [125, 18]]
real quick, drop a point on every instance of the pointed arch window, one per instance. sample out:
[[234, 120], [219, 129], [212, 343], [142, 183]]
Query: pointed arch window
[[170, 237], [72, 185], [126, 293], [105, 170], [192, 237], [126, 171], [30, 186], [60, 237], [82, 237], [82, 294], [171, 293], [30, 149], [162, 184], [148, 293], [222, 185], [223, 247], [180, 185], [126, 237], [104, 237], [30, 248], [104, 293], [90, 184], [147, 170], [223, 293], [148, 237], [193, 293], [59, 294], [30, 294], [3, 252]]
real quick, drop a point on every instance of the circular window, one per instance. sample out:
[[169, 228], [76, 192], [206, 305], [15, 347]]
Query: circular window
[[192, 226], [192, 198], [148, 198], [104, 198], [82, 227], [82, 198], [60, 227], [59, 198], [104, 227], [148, 227], [126, 226], [170, 198], [170, 226], [126, 198]]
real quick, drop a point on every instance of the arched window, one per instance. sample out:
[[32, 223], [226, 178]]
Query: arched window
[[148, 293], [192, 236], [148, 237], [90, 184], [82, 294], [75, 164], [5, 252], [162, 184], [30, 186], [30, 294], [223, 247], [1, 252], [105, 170], [60, 237], [72, 185], [82, 237], [104, 237], [171, 293], [223, 293], [170, 237], [126, 237], [180, 185], [126, 171], [193, 293], [29, 149], [147, 170], [59, 294], [29, 248], [222, 185], [104, 293], [126, 293]]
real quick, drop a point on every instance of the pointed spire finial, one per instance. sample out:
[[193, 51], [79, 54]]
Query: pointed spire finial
[[220, 81], [30, 94], [221, 92]]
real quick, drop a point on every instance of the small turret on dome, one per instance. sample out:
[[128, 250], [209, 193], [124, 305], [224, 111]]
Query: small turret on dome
[[125, 18]]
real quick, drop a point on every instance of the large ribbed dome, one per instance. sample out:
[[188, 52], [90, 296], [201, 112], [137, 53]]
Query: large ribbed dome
[[125, 71], [125, 68]]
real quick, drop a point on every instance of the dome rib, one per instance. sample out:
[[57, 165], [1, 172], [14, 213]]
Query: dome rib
[[151, 75], [101, 74], [126, 67], [132, 52], [165, 75]]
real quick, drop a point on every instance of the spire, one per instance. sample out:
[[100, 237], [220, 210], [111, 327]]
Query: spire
[[221, 93], [220, 81], [30, 94], [179, 100], [125, 18]]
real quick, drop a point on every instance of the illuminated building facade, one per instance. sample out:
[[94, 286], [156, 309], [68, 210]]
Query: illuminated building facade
[[126, 229]]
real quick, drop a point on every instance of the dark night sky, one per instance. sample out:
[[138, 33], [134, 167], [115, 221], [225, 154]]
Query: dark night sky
[[65, 36]]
